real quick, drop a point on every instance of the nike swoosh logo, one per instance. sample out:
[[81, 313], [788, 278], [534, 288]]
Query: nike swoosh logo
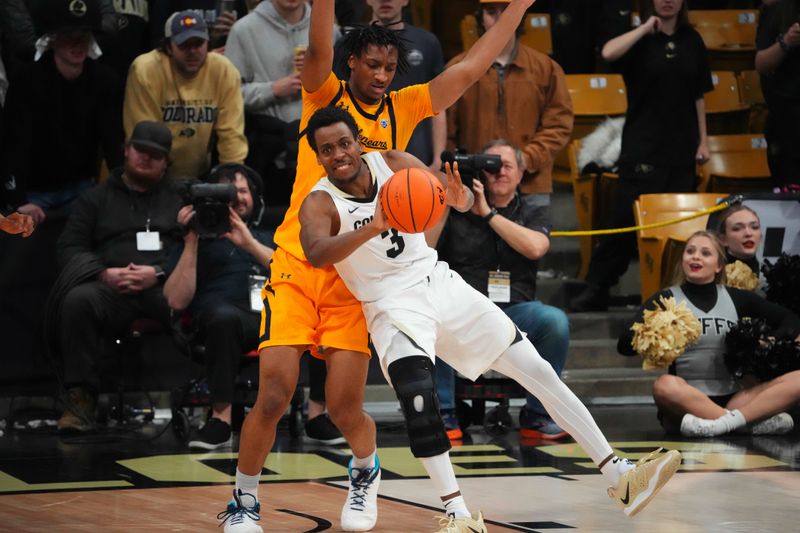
[[475, 530], [351, 211], [627, 494], [624, 12]]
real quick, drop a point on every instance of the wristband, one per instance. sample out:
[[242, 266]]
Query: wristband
[[491, 215]]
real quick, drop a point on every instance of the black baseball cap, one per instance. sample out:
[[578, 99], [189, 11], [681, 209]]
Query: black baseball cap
[[55, 16], [184, 25], [152, 135]]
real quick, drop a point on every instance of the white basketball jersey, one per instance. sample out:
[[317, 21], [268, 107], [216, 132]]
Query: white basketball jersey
[[388, 263]]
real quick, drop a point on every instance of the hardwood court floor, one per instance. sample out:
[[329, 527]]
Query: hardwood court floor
[[736, 484]]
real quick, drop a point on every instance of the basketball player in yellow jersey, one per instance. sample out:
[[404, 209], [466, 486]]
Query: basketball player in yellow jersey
[[305, 307]]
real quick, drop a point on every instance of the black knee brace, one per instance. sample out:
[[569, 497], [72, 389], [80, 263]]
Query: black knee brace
[[412, 378]]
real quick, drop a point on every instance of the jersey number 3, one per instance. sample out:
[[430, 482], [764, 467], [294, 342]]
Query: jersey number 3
[[398, 244]]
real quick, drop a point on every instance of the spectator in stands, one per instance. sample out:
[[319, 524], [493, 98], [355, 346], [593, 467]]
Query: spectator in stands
[[60, 111], [19, 33], [219, 16], [699, 397], [666, 72], [267, 46], [112, 251], [522, 98], [197, 94], [128, 35], [425, 62], [214, 279], [740, 234], [504, 235], [580, 28], [778, 62], [17, 224]]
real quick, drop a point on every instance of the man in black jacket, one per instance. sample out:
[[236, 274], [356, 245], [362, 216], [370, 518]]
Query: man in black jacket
[[127, 225]]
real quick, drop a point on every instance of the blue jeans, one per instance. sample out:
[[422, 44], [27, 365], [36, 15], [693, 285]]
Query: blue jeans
[[62, 197], [547, 328]]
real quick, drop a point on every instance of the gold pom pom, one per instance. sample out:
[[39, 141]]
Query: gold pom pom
[[740, 276], [665, 333]]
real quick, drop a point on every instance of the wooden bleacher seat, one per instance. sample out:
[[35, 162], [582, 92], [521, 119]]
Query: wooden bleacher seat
[[469, 31], [594, 97], [729, 35], [725, 112], [537, 33], [738, 172], [752, 96], [738, 164], [593, 195], [652, 208]]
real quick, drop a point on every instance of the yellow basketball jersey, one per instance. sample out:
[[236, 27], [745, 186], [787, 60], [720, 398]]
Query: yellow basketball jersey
[[387, 125]]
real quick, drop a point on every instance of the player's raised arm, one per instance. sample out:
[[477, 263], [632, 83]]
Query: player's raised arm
[[448, 86], [319, 226], [318, 60]]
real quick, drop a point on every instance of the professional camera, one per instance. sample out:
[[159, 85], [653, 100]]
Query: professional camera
[[471, 165], [211, 202]]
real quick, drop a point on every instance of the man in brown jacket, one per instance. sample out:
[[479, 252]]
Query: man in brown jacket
[[523, 98]]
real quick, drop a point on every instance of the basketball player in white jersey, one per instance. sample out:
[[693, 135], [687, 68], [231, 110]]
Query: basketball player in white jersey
[[416, 307]]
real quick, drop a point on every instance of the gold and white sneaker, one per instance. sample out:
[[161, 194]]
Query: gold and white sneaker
[[472, 524], [637, 486]]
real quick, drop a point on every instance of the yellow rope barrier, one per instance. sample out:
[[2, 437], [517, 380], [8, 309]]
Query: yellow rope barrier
[[719, 207]]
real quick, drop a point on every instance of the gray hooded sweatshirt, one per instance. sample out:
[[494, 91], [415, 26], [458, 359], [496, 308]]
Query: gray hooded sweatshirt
[[261, 45]]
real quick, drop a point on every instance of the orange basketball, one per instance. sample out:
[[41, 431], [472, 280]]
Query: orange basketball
[[413, 200]]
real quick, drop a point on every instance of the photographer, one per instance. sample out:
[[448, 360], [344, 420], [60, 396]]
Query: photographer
[[495, 248], [217, 273]]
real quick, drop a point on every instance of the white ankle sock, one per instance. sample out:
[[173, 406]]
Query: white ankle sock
[[246, 483], [456, 507], [733, 420], [614, 468], [366, 462]]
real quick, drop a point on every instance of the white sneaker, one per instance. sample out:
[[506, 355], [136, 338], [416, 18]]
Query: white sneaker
[[360, 511], [242, 514], [692, 426], [779, 424]]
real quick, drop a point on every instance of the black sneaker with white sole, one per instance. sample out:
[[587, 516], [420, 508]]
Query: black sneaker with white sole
[[320, 429], [213, 435]]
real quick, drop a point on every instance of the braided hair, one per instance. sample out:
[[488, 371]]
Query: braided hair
[[356, 41]]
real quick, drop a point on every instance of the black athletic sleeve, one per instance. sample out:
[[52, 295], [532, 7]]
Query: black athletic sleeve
[[750, 304], [625, 338]]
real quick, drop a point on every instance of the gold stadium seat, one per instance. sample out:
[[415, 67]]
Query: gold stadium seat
[[738, 164], [653, 208], [593, 195], [752, 96], [594, 97], [738, 172], [725, 112], [729, 35], [537, 34]]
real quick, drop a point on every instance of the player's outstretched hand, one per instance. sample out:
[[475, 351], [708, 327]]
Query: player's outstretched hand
[[458, 195], [17, 224]]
